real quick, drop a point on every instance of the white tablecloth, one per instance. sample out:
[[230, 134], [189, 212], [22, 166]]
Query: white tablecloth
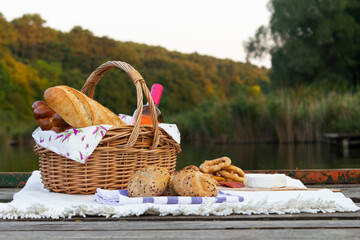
[[33, 201]]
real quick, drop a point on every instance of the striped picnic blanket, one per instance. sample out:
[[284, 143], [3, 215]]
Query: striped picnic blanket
[[121, 197]]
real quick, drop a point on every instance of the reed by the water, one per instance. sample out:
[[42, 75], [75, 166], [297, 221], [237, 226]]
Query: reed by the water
[[280, 116], [283, 115]]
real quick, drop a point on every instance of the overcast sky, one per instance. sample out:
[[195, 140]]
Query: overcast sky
[[215, 28]]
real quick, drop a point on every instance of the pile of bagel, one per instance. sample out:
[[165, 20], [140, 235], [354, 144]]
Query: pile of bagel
[[222, 170]]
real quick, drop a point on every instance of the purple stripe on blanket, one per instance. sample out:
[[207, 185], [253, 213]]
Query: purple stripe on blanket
[[121, 197], [222, 193], [220, 199], [124, 192], [196, 200], [172, 200], [148, 199]]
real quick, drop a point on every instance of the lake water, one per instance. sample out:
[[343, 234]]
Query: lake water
[[246, 156]]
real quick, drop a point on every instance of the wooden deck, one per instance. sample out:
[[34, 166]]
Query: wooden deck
[[273, 226], [341, 143]]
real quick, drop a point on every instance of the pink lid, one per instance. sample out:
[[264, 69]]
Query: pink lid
[[156, 92]]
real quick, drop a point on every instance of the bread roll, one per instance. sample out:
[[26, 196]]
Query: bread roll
[[149, 182], [47, 118], [77, 109], [169, 192], [191, 182], [191, 167]]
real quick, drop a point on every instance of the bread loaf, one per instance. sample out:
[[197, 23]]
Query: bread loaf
[[169, 192], [47, 118], [191, 182], [77, 109], [149, 182]]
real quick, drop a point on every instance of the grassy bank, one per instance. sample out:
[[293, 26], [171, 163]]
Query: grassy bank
[[279, 116]]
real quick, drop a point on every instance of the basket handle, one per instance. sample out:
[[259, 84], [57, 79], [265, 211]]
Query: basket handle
[[141, 87]]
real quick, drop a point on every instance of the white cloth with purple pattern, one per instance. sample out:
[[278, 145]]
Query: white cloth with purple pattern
[[121, 197], [75, 143], [79, 143], [34, 201]]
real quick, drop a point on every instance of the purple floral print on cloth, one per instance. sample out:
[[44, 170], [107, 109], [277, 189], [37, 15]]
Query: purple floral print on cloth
[[75, 143], [79, 143]]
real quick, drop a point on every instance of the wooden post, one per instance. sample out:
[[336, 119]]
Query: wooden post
[[345, 147]]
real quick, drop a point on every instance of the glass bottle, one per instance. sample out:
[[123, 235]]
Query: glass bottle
[[156, 92]]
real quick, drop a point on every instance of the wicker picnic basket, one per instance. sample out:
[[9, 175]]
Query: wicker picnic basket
[[121, 152]]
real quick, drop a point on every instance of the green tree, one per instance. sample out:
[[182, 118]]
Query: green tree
[[34, 57], [311, 42], [20, 87], [7, 34], [30, 34]]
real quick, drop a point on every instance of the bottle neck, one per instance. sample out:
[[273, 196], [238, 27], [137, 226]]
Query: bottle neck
[[156, 92]]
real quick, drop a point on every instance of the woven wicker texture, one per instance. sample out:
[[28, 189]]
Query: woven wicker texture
[[122, 151]]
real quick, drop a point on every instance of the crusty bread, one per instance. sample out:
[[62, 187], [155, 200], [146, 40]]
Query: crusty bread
[[191, 182], [77, 109], [149, 182], [169, 192], [47, 118], [191, 167]]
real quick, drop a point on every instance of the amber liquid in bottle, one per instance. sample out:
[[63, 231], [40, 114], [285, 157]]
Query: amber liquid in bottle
[[156, 92]]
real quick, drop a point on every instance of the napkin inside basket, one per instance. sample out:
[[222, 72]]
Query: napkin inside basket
[[79, 143]]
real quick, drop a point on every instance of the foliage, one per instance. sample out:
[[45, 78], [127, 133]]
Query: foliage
[[311, 42], [214, 100], [34, 57], [284, 115]]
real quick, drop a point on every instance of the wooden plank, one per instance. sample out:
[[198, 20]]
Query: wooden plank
[[13, 179], [319, 176], [6, 194], [342, 143], [341, 135], [260, 234], [349, 190], [307, 176], [232, 217], [176, 225]]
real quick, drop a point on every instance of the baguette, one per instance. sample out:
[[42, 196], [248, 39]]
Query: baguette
[[77, 109]]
